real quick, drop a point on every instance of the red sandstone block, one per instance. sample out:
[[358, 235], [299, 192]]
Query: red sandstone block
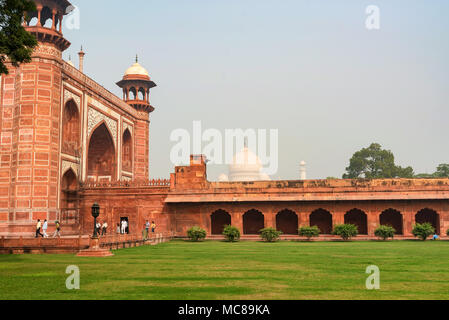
[[42, 123], [6, 138], [43, 109], [3, 216], [39, 215], [40, 204], [22, 216], [26, 109], [23, 191], [40, 191], [26, 122], [3, 204], [4, 191], [7, 113], [23, 204]]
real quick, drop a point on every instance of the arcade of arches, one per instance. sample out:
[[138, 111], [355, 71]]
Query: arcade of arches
[[288, 221]]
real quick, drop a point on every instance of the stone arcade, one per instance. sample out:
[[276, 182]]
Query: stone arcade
[[66, 142]]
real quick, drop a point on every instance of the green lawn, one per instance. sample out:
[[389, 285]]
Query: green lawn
[[246, 270]]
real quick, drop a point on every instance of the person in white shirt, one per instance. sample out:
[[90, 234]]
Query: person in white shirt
[[123, 226], [98, 227], [44, 228], [104, 228]]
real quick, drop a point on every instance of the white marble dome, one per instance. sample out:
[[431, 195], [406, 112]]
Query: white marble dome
[[246, 166], [136, 69]]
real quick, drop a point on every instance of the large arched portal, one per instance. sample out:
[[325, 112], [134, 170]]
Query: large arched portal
[[429, 216], [71, 129], [219, 219], [323, 220], [392, 218], [359, 219], [69, 197], [287, 222], [101, 156], [253, 222]]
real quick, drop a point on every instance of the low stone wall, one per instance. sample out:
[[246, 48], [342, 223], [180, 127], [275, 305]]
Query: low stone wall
[[74, 245]]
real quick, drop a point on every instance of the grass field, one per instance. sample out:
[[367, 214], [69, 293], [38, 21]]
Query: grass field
[[247, 270]]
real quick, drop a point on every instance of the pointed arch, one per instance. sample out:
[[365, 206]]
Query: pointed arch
[[287, 222], [253, 222], [428, 215], [101, 155], [219, 219], [71, 133], [69, 195], [127, 151], [392, 218], [358, 218], [323, 220]]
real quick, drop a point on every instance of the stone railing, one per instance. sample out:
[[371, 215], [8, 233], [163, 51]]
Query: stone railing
[[126, 184], [73, 245], [43, 245], [118, 241]]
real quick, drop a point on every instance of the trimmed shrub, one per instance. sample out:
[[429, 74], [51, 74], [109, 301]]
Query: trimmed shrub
[[270, 234], [346, 231], [232, 234], [423, 231], [196, 234], [447, 232], [385, 232], [309, 232]]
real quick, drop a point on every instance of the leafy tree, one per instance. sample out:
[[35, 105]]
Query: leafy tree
[[232, 234], [196, 234], [309, 232], [270, 234], [375, 163], [346, 231], [442, 171], [385, 232], [16, 44], [423, 231]]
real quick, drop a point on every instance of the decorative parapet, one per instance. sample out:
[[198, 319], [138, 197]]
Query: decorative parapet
[[127, 184], [98, 89]]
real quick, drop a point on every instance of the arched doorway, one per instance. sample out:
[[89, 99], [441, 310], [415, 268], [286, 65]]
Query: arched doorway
[[359, 219], [101, 156], [127, 158], [253, 222], [323, 220], [287, 222], [392, 218], [219, 219], [71, 129], [69, 197], [429, 216]]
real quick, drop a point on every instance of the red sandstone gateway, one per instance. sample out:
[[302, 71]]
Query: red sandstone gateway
[[58, 127]]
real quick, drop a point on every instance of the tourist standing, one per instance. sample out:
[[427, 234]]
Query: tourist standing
[[147, 229], [123, 227], [118, 228], [38, 229], [153, 227], [98, 227], [104, 228], [44, 228], [58, 230]]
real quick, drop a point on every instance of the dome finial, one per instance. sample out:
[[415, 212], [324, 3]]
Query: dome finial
[[137, 58]]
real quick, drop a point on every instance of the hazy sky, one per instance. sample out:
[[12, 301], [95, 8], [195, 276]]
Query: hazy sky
[[309, 68]]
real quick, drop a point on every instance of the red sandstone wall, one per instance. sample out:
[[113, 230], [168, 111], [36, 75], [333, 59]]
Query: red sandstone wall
[[137, 204]]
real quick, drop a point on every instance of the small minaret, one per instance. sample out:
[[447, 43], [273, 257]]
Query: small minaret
[[302, 170], [81, 54]]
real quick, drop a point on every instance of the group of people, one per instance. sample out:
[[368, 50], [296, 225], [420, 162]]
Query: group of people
[[102, 228], [44, 227]]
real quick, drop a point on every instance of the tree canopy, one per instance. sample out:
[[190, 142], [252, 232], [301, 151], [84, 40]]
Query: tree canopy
[[16, 44], [375, 163], [442, 172]]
